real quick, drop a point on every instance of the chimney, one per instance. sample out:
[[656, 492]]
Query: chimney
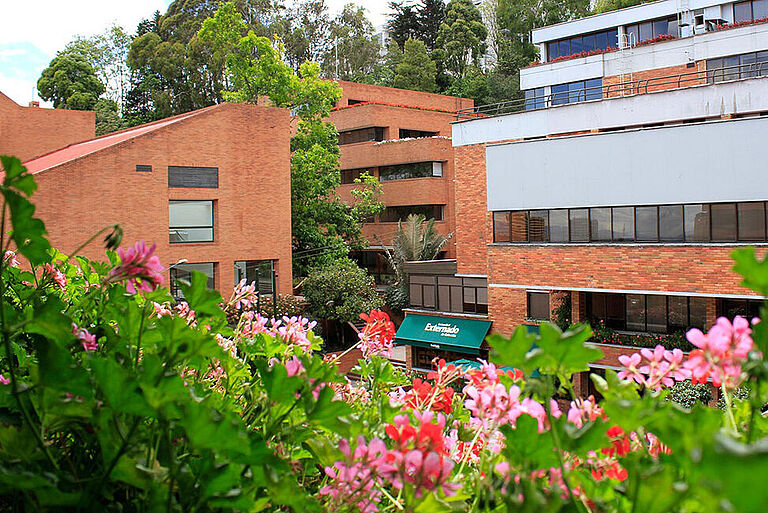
[[34, 104]]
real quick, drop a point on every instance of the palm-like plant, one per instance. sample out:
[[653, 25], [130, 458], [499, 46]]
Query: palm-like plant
[[416, 240]]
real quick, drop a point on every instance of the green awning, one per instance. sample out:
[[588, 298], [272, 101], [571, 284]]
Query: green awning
[[446, 333]]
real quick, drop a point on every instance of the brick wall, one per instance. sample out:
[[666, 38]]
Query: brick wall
[[27, 132], [252, 212], [393, 118], [374, 93], [659, 79], [473, 221]]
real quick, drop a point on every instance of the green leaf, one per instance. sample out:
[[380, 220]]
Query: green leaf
[[201, 299], [28, 232], [754, 271], [527, 447], [120, 390], [513, 351]]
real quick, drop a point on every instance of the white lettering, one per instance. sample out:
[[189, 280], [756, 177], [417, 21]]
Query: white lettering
[[445, 329]]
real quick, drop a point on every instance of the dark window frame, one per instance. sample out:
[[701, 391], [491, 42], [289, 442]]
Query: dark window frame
[[467, 284], [438, 213], [358, 135], [177, 269], [212, 226], [193, 177], [592, 296], [529, 310]]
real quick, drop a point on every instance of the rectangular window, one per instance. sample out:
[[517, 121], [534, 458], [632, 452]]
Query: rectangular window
[[412, 170], [565, 48], [350, 175], [600, 224], [660, 28], [646, 32], [579, 224], [576, 46], [193, 177], [696, 223], [748, 65], [647, 224], [140, 168], [731, 68], [576, 92], [415, 134], [258, 271], [602, 42], [742, 11], [697, 311], [538, 306], [374, 133], [612, 37], [560, 94], [678, 313], [747, 308], [589, 42], [558, 225], [623, 224], [593, 89], [501, 226], [751, 221], [538, 229], [759, 9], [518, 226], [183, 272], [535, 99], [671, 223], [190, 221], [553, 50], [395, 214], [633, 34], [723, 221], [762, 63], [657, 313], [635, 312], [714, 70]]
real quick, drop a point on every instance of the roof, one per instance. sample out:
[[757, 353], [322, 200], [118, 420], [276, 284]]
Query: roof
[[78, 150]]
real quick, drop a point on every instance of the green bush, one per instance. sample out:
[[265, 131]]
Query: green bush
[[340, 291]]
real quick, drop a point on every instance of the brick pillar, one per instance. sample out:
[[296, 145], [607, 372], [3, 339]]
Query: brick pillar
[[711, 312], [581, 384], [578, 307], [409, 357]]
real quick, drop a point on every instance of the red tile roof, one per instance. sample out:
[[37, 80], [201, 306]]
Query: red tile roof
[[75, 151]]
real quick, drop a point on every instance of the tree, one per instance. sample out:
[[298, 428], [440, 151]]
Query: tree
[[306, 32], [403, 23], [414, 69], [430, 14], [70, 82], [461, 37], [354, 53], [415, 240], [107, 117], [341, 291], [611, 5]]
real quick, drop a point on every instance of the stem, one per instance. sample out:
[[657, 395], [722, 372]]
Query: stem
[[120, 452], [395, 501], [728, 408], [556, 439], [465, 457], [345, 352], [752, 412], [84, 244], [141, 331]]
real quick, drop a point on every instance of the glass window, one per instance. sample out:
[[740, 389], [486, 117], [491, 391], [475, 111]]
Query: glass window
[[633, 34], [470, 299], [596, 306], [696, 223], [600, 224], [183, 272], [748, 65], [751, 221], [374, 133], [646, 32], [538, 229], [565, 48], [762, 63], [635, 312], [731, 68], [657, 313], [576, 45], [579, 224], [601, 41], [395, 214], [678, 312], [747, 308], [588, 42], [560, 94], [671, 223], [742, 11], [258, 271], [405, 171], [724, 221], [697, 309], [612, 37], [558, 226], [538, 305], [614, 311], [406, 133], [553, 50], [518, 222], [660, 27], [190, 221], [534, 99], [714, 70], [759, 9], [593, 89], [576, 92], [673, 28], [646, 224], [623, 224], [501, 226]]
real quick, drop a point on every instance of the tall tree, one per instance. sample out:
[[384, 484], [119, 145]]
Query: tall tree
[[354, 53], [461, 37], [431, 14], [70, 83], [322, 224], [306, 32], [403, 23], [414, 69]]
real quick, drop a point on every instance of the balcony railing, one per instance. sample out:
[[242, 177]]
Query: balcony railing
[[618, 90]]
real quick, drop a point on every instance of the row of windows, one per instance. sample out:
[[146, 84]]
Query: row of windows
[[647, 312], [747, 11], [640, 32], [586, 43], [406, 133], [717, 222], [411, 170], [188, 176], [350, 175], [374, 133], [562, 94], [449, 293], [259, 271], [735, 67], [190, 221], [395, 214]]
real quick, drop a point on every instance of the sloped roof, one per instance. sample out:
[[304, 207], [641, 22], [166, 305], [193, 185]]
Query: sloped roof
[[75, 151]]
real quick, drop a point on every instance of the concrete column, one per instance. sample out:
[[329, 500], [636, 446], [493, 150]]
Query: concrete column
[[543, 52]]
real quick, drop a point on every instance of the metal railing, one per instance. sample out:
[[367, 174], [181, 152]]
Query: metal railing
[[618, 90]]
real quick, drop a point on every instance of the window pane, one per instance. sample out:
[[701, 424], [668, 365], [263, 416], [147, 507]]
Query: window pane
[[657, 313], [724, 221], [560, 94], [646, 32], [751, 221], [613, 38], [696, 223], [457, 299], [588, 42], [552, 51], [698, 312], [190, 234], [678, 312], [469, 299], [635, 312], [596, 306], [565, 48], [733, 307], [530, 99], [601, 40], [579, 225], [190, 213], [538, 305], [600, 222], [748, 65], [614, 311], [519, 225], [762, 63], [742, 11], [558, 226], [759, 9], [714, 70], [444, 298], [501, 226], [731, 68], [405, 171], [428, 298], [593, 89], [660, 28], [183, 272], [633, 35], [576, 92], [646, 223], [671, 223], [576, 45], [623, 223], [537, 226]]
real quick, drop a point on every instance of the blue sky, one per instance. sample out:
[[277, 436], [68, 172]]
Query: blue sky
[[33, 31]]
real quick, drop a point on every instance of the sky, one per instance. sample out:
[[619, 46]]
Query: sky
[[35, 30]]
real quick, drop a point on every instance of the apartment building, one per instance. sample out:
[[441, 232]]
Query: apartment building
[[624, 179], [210, 187], [403, 138], [27, 132]]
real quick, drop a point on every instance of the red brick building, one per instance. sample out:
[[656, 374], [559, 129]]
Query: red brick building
[[27, 132], [403, 138], [211, 188]]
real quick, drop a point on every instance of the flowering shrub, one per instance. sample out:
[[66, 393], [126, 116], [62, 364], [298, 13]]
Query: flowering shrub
[[114, 398], [598, 51], [603, 335], [727, 26]]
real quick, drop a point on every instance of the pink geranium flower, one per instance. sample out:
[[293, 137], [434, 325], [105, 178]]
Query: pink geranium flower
[[720, 352], [139, 267], [88, 340]]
